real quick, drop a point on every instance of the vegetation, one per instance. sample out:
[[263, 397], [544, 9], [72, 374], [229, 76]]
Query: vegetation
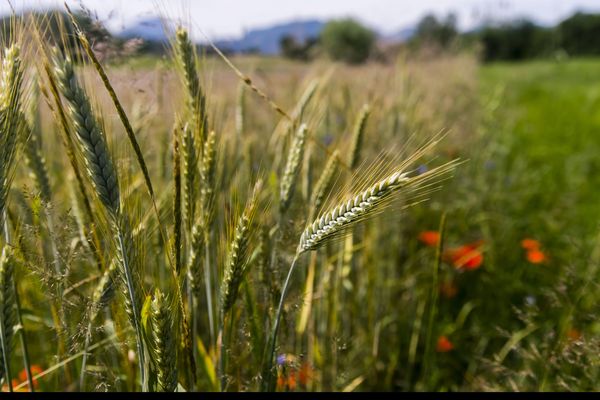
[[302, 231], [347, 40]]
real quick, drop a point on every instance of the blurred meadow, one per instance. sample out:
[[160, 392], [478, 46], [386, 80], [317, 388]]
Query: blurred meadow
[[438, 217]]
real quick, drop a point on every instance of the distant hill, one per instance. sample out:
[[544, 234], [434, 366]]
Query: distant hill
[[401, 35], [262, 40], [266, 40], [150, 29]]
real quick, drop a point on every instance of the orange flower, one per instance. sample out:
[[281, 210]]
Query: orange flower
[[35, 369], [573, 334], [530, 244], [536, 256], [444, 345], [448, 289], [305, 373], [15, 383], [466, 257], [292, 380], [280, 381], [429, 238]]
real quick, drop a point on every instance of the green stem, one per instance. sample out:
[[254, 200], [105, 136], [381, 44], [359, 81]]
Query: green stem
[[88, 335], [427, 362], [267, 373], [23, 339], [221, 363], [208, 288], [136, 319], [3, 343]]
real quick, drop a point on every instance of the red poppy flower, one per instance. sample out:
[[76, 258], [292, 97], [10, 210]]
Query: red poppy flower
[[305, 374], [530, 244], [444, 345], [292, 381], [536, 256], [429, 238], [35, 369], [466, 257], [15, 383], [280, 382]]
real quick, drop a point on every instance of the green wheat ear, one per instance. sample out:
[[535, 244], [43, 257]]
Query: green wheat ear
[[237, 258], [357, 136], [196, 101], [292, 168], [337, 220], [98, 162], [8, 316], [164, 343], [11, 80]]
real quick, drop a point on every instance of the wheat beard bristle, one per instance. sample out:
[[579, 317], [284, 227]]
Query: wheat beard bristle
[[347, 213]]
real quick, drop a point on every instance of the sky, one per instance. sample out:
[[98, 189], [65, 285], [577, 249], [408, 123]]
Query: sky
[[231, 18]]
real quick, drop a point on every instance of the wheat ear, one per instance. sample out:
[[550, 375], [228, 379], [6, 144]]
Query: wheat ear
[[325, 180], [194, 264], [357, 136], [10, 87], [189, 157], [237, 262], [7, 312], [164, 344], [98, 162], [292, 168], [207, 174], [359, 207], [196, 100]]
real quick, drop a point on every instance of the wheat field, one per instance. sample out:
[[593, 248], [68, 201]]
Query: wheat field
[[213, 224]]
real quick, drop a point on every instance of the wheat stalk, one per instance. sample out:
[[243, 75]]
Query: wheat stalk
[[240, 111], [103, 175], [102, 295], [235, 270], [338, 221]]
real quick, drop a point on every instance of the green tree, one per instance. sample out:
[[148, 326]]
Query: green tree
[[580, 34], [347, 40], [432, 30], [295, 50]]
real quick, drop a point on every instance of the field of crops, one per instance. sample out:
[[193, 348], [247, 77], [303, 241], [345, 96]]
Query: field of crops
[[199, 224]]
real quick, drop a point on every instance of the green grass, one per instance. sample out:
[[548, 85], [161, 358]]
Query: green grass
[[550, 116]]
